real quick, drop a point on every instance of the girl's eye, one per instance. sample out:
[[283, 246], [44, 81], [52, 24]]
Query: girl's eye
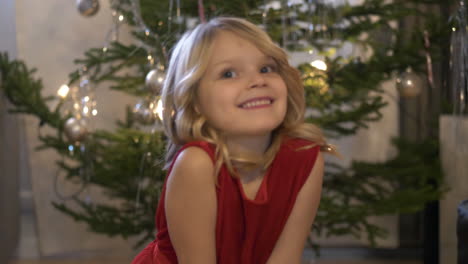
[[228, 74], [267, 69]]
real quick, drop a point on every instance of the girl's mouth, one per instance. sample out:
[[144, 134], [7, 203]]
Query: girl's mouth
[[256, 103]]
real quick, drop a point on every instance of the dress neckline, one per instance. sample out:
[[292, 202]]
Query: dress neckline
[[261, 197]]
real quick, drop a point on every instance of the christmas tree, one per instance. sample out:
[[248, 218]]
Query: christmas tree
[[344, 97]]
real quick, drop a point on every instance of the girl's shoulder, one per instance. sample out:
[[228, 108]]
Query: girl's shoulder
[[192, 153], [193, 158], [202, 146], [298, 153], [297, 156], [299, 144], [193, 165]]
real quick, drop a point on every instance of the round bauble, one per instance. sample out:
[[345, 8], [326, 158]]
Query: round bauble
[[87, 7], [76, 129], [143, 113], [154, 80], [408, 84]]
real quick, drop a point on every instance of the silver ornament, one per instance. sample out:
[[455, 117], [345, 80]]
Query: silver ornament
[[87, 7], [154, 80], [143, 113], [408, 84], [76, 129]]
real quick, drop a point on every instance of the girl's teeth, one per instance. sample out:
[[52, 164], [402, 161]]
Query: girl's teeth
[[256, 103]]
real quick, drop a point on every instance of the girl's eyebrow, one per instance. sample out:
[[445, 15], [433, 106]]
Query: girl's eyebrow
[[223, 62], [230, 60]]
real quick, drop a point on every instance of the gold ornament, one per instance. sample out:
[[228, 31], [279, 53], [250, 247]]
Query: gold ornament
[[154, 80], [408, 84], [76, 129], [144, 113]]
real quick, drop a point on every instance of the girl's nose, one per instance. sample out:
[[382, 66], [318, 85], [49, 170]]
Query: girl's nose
[[257, 80]]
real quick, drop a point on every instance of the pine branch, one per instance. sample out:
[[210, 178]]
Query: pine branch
[[24, 92]]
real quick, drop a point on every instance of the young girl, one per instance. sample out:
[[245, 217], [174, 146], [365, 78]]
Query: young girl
[[244, 170]]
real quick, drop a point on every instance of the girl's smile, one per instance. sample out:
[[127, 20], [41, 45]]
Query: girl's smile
[[258, 102]]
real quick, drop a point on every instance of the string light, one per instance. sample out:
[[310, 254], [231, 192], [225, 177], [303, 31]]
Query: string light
[[157, 108], [63, 91], [76, 106], [150, 59], [319, 64]]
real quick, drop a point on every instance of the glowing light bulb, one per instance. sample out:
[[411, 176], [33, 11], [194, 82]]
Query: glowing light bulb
[[63, 91], [159, 110], [319, 64]]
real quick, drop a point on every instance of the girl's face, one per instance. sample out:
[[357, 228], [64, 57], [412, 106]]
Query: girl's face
[[241, 92]]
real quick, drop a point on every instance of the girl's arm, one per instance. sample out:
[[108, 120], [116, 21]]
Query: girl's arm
[[190, 207], [290, 245]]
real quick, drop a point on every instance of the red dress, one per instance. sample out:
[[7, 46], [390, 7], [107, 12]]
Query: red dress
[[246, 230]]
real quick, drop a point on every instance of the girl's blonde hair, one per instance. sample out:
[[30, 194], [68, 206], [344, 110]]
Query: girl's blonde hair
[[189, 59]]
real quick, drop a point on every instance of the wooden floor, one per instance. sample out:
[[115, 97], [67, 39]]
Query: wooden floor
[[114, 261]]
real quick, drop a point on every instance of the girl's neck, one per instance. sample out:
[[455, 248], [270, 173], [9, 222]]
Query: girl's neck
[[253, 147], [248, 145]]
